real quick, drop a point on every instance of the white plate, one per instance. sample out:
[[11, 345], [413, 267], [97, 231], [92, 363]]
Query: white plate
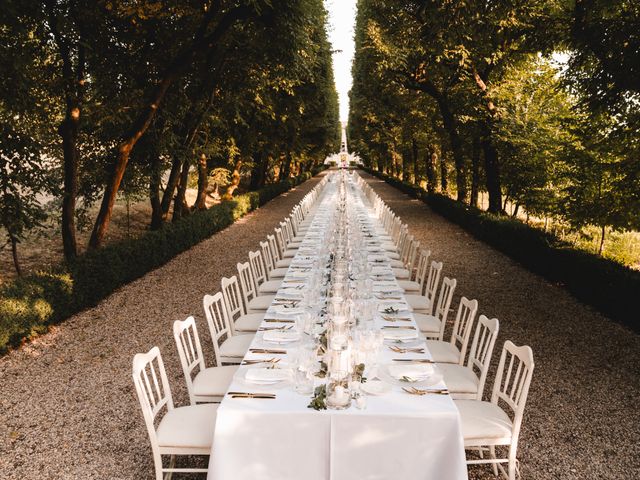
[[241, 378], [280, 336], [425, 381], [284, 310], [375, 387]]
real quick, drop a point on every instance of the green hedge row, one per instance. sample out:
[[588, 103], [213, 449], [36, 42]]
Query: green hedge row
[[29, 305], [604, 284]]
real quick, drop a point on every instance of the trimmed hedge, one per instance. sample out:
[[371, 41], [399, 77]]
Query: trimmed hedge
[[604, 284], [29, 305]]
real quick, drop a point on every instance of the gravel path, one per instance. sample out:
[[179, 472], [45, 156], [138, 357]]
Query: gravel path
[[68, 409], [582, 419]]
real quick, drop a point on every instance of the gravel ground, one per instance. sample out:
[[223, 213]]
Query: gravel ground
[[68, 409], [582, 419]]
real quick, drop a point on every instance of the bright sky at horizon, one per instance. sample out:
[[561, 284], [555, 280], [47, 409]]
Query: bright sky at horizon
[[342, 18]]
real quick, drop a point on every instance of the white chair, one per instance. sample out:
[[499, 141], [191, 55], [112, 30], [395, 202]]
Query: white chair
[[182, 430], [285, 250], [259, 272], [467, 382], [272, 271], [253, 302], [241, 321], [227, 347], [454, 351], [486, 425], [417, 286], [424, 302], [205, 384], [279, 262], [404, 269], [433, 325]]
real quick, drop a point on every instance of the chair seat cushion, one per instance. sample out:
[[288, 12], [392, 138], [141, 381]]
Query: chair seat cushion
[[270, 286], [393, 255], [213, 381], [401, 273], [392, 247], [443, 352], [260, 303], [459, 379], [409, 285], [427, 323], [188, 427], [236, 346], [483, 420], [278, 273], [249, 322], [290, 253], [419, 303], [395, 263], [284, 263]]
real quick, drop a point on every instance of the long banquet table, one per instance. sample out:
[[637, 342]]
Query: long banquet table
[[397, 435]]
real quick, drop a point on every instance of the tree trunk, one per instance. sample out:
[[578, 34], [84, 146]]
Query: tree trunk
[[14, 253], [432, 160], [69, 132], [176, 69], [444, 184], [203, 183], [450, 125], [602, 234], [154, 193], [235, 181], [258, 171], [414, 158], [180, 206], [74, 80], [492, 173], [405, 165], [475, 171]]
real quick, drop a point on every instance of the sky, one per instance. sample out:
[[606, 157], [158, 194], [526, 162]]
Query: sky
[[342, 18]]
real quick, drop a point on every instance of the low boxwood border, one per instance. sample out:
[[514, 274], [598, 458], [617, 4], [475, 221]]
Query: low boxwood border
[[608, 286], [30, 304]]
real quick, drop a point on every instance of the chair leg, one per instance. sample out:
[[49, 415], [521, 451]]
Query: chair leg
[[172, 464], [512, 463], [494, 467]]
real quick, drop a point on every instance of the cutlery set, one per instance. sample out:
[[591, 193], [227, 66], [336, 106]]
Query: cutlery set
[[265, 396], [405, 350], [268, 350], [418, 391], [283, 328], [272, 361]]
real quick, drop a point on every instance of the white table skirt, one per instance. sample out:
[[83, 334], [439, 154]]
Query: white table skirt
[[398, 436]]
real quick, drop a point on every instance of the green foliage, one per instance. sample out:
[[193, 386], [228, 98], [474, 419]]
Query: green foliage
[[30, 304], [607, 285]]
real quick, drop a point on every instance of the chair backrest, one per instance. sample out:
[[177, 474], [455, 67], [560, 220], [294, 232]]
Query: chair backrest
[[481, 351], [233, 299], [444, 302], [412, 252], [152, 387], [185, 333], [281, 241], [273, 246], [512, 381], [257, 267], [462, 326], [247, 284], [432, 284], [423, 268], [267, 257], [217, 319]]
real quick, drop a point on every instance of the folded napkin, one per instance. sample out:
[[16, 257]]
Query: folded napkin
[[290, 293], [381, 271], [417, 371], [299, 274], [393, 305], [287, 310], [266, 375], [399, 334], [280, 336]]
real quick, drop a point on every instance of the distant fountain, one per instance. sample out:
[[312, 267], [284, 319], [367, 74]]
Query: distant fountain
[[343, 159]]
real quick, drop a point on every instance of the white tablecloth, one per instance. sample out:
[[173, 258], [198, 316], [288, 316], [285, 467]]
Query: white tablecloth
[[397, 436]]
